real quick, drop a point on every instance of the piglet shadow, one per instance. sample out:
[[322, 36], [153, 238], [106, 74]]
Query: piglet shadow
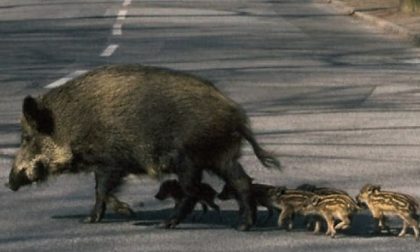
[[155, 217], [361, 226], [211, 218]]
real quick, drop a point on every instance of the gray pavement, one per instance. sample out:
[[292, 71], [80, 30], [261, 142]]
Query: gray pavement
[[336, 99]]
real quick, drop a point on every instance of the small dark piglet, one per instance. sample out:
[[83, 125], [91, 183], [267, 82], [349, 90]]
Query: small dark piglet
[[172, 189]]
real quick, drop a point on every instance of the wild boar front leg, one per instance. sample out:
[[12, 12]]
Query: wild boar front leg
[[379, 221], [382, 224], [318, 224], [106, 182], [285, 216]]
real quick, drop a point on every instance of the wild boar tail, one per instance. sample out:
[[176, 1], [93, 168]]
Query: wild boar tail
[[265, 157]]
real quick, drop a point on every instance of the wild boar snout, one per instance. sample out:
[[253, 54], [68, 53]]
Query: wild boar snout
[[160, 196], [360, 202], [26, 175], [17, 179], [359, 198]]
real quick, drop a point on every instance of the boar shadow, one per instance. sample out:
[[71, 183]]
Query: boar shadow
[[155, 217]]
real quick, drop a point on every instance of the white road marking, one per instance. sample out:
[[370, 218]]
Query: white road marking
[[117, 29], [127, 2], [392, 89], [66, 78], [121, 14], [8, 151], [412, 61], [109, 50]]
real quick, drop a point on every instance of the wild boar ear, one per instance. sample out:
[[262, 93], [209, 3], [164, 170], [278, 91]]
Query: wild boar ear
[[373, 189], [38, 117]]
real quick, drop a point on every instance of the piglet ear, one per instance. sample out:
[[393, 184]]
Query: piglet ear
[[282, 189], [279, 191], [376, 188], [37, 116]]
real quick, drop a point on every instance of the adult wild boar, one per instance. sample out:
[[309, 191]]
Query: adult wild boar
[[131, 119]]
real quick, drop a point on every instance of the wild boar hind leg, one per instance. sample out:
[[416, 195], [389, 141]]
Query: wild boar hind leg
[[189, 177], [344, 224], [409, 221], [105, 182], [236, 177]]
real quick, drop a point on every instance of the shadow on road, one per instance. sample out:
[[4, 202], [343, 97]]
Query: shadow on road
[[362, 223]]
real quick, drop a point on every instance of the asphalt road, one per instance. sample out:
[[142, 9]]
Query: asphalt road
[[336, 99]]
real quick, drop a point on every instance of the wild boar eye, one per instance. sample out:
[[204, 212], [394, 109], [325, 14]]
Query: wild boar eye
[[26, 138]]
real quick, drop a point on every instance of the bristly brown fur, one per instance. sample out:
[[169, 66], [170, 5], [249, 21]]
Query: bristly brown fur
[[331, 206], [383, 203], [290, 203]]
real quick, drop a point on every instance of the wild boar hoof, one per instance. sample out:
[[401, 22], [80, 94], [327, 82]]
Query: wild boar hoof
[[120, 207], [92, 219], [316, 232], [126, 211], [243, 227], [170, 224], [87, 220]]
